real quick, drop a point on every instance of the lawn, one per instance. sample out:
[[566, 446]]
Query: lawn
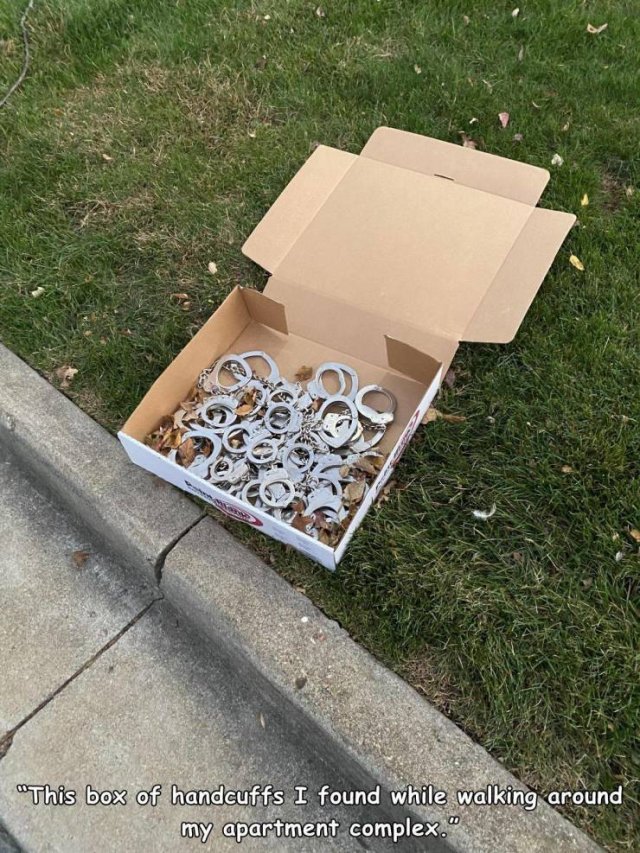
[[149, 139]]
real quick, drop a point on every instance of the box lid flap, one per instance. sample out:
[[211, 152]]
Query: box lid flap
[[296, 206], [460, 259], [500, 313], [488, 172]]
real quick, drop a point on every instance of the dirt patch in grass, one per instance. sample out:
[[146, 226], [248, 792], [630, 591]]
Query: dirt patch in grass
[[431, 680], [98, 212], [615, 192], [104, 118]]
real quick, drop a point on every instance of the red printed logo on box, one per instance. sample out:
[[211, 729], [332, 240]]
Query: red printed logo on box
[[236, 512]]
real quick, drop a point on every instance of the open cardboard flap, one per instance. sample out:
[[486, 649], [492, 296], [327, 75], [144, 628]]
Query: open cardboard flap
[[436, 241]]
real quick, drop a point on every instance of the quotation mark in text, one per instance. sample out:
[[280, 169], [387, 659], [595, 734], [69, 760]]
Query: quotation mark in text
[[453, 819]]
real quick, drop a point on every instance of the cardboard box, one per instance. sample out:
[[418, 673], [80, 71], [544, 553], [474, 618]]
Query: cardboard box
[[385, 261]]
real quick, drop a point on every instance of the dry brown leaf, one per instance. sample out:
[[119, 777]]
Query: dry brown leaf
[[80, 558], [320, 521], [435, 415], [187, 452], [594, 31], [467, 141], [65, 374], [178, 418], [166, 423], [634, 533], [337, 531], [180, 297], [154, 441], [567, 469], [366, 465], [503, 118], [247, 403], [301, 522], [575, 261], [432, 415], [172, 439], [304, 373], [384, 494], [378, 460], [354, 492], [345, 470]]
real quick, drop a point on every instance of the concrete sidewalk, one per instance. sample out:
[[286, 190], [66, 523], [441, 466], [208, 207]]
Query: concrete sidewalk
[[102, 686]]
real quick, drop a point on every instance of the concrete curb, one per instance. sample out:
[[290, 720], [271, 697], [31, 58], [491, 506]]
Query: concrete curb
[[360, 716], [76, 459]]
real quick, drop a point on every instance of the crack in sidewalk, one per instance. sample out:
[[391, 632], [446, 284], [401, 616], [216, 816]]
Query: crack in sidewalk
[[7, 738], [162, 556]]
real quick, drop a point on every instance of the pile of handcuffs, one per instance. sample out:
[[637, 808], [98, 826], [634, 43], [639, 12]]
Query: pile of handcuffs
[[295, 444]]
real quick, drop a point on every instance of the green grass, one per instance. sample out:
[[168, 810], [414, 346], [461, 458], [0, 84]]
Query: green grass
[[523, 628]]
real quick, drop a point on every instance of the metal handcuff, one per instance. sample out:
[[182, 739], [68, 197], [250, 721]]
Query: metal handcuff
[[284, 451]]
